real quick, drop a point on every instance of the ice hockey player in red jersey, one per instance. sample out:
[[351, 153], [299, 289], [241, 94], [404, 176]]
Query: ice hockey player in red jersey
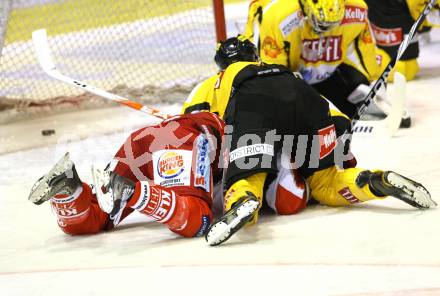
[[162, 171], [166, 172]]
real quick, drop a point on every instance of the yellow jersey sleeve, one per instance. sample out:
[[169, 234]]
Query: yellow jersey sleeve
[[201, 97], [364, 53], [361, 50], [255, 14], [279, 33]]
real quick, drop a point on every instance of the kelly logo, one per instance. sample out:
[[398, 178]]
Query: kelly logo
[[327, 140], [354, 14], [387, 37]]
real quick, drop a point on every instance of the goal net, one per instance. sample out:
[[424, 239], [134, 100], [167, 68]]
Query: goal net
[[149, 51]]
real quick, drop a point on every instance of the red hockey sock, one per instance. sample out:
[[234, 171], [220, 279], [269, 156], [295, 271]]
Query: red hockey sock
[[79, 213], [185, 215], [72, 209]]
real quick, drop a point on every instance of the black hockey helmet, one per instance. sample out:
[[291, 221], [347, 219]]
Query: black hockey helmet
[[235, 49]]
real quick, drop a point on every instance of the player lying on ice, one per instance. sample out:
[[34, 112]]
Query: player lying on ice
[[272, 111], [166, 172]]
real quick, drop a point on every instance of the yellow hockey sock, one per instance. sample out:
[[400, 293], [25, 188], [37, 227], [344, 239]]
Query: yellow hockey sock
[[253, 184], [334, 187]]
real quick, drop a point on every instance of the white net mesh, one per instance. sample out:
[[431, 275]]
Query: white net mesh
[[147, 50]]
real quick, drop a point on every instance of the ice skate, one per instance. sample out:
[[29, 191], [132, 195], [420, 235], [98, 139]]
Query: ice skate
[[234, 219], [398, 186], [406, 120], [61, 179], [113, 192]]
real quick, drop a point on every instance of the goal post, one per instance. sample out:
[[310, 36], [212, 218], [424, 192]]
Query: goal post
[[146, 50], [220, 23]]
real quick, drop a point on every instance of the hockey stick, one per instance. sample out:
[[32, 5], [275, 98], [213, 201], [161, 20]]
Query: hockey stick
[[39, 38], [383, 77], [390, 124]]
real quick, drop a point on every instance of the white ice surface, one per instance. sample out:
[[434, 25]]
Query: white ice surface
[[377, 248]]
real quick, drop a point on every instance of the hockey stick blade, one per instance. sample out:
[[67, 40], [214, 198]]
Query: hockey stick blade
[[398, 101], [384, 76], [39, 38], [42, 49], [390, 124]]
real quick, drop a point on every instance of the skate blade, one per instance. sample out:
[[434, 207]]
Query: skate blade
[[40, 190], [415, 192], [222, 231]]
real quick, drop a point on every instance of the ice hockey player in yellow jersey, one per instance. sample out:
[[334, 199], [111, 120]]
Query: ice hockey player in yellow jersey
[[327, 41], [390, 21], [416, 7], [258, 100], [255, 14]]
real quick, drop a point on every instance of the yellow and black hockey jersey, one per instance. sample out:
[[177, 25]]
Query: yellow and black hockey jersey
[[213, 94], [255, 15], [286, 38], [417, 6]]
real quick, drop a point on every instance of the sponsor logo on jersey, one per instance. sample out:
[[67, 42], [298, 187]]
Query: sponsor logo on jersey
[[349, 196], [267, 71], [387, 37], [160, 205], [379, 59], [314, 73], [68, 212], [144, 196], [270, 47], [170, 165], [65, 211], [205, 223], [306, 73], [326, 49], [366, 38], [203, 164], [290, 23], [327, 140], [256, 149], [219, 80], [354, 15], [323, 76]]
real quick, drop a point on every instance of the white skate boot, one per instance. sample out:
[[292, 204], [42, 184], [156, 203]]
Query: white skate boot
[[113, 192], [234, 219], [398, 186], [61, 179]]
